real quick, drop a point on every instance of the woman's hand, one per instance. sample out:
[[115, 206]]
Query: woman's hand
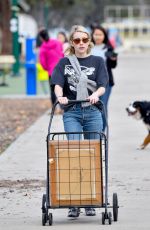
[[93, 98], [62, 100]]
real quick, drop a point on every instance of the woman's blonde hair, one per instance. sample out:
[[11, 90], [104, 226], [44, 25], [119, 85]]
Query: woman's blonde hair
[[77, 28]]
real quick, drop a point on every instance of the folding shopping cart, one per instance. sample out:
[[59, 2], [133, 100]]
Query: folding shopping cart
[[77, 172]]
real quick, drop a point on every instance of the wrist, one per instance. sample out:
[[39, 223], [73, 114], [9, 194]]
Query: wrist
[[96, 94]]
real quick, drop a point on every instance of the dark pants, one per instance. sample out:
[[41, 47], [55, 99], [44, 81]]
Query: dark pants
[[105, 99], [52, 96]]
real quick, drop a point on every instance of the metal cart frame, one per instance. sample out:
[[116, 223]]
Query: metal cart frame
[[46, 204]]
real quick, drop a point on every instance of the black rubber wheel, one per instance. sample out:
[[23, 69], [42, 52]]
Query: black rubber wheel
[[115, 206], [50, 219], [44, 219], [109, 218], [44, 203], [103, 218]]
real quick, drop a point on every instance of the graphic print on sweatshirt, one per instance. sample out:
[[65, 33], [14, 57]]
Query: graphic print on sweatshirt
[[71, 75]]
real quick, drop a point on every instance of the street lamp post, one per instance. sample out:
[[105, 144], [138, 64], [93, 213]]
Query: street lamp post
[[15, 36]]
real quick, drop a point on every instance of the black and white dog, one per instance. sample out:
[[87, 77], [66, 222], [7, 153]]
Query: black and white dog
[[141, 110]]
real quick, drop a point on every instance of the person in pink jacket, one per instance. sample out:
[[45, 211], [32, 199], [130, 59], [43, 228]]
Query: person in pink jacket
[[51, 51]]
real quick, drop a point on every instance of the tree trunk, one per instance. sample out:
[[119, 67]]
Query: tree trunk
[[6, 37]]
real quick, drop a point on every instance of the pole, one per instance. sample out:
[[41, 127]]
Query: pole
[[45, 16], [15, 36]]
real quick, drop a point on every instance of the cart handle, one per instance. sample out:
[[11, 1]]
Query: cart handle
[[99, 104], [78, 101]]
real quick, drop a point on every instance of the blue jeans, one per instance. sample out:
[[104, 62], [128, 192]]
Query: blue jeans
[[105, 99], [83, 119]]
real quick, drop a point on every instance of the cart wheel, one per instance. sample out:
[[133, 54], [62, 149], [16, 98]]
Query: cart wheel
[[44, 203], [103, 218], [50, 219], [44, 219], [115, 206], [109, 218]]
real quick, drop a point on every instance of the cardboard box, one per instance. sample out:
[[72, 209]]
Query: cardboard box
[[75, 173]]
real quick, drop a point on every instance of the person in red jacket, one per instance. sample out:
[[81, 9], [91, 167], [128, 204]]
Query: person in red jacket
[[51, 51]]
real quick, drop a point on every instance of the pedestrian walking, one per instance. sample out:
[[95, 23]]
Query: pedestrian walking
[[103, 48], [62, 37], [51, 51], [80, 76]]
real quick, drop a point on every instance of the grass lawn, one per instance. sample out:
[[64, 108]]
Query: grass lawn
[[17, 85]]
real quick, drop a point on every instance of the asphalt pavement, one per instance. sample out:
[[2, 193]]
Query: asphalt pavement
[[23, 164]]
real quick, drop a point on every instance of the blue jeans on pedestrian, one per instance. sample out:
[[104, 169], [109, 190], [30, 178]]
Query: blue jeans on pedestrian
[[105, 99], [83, 119]]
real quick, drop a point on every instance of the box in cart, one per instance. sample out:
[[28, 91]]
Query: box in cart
[[75, 172]]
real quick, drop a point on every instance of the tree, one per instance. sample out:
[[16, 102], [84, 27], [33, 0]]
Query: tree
[[64, 13], [75, 11], [6, 45]]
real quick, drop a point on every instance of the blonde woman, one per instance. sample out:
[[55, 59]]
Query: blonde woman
[[80, 76]]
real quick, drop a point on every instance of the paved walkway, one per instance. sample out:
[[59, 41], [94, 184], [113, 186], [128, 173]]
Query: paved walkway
[[25, 162]]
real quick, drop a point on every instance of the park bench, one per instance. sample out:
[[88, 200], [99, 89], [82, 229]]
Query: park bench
[[6, 62]]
